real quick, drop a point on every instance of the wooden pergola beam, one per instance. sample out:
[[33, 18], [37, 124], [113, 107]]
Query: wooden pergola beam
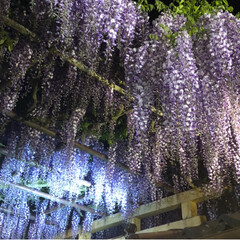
[[3, 151], [150, 209], [81, 147], [54, 209], [18, 27], [50, 197], [77, 145], [54, 135], [91, 73], [25, 31]]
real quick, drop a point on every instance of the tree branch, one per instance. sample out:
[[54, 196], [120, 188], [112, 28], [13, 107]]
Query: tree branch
[[91, 73], [24, 31], [18, 27]]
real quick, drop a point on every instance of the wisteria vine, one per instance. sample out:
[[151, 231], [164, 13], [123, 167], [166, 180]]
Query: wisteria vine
[[176, 116]]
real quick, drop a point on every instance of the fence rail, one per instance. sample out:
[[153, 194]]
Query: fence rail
[[187, 201]]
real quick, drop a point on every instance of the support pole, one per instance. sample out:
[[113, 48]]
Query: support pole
[[54, 135], [189, 209], [54, 209], [3, 151], [50, 197]]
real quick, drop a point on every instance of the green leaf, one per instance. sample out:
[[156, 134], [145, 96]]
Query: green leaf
[[225, 2], [151, 7], [153, 37], [160, 6], [230, 9], [10, 46], [217, 3], [2, 41], [182, 2], [196, 8], [180, 7], [238, 15]]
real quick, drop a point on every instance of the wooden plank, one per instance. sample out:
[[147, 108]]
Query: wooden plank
[[68, 234], [84, 236], [233, 233], [189, 209], [150, 209], [190, 222], [107, 222], [118, 237], [171, 234], [168, 204]]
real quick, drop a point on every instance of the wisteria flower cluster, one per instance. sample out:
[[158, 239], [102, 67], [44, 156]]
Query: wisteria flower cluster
[[60, 178], [166, 100]]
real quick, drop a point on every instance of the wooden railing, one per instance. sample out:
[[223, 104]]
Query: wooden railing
[[187, 201]]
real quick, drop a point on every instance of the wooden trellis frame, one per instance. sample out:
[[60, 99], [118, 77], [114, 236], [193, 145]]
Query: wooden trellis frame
[[187, 201]]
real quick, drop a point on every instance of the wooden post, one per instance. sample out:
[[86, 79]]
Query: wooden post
[[189, 209], [84, 236], [137, 222]]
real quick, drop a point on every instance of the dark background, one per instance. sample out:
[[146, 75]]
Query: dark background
[[153, 14], [234, 3]]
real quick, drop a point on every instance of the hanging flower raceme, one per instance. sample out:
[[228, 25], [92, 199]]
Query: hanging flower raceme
[[179, 101], [232, 26], [214, 58], [140, 85], [19, 64], [59, 180]]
